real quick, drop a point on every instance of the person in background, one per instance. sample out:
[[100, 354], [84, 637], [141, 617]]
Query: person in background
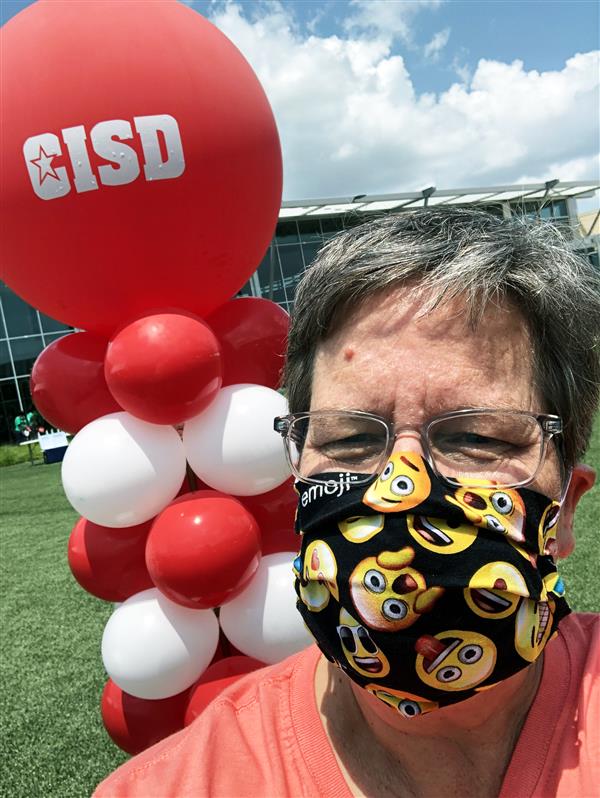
[[442, 375], [21, 428], [35, 422]]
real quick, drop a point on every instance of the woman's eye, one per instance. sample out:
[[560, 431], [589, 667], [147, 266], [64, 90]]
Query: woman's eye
[[467, 439], [355, 445]]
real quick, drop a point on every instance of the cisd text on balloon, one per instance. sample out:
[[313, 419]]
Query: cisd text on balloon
[[51, 182]]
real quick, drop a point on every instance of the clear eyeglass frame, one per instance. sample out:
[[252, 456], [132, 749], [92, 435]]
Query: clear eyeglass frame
[[551, 427]]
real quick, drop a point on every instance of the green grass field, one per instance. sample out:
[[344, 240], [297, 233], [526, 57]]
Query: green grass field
[[53, 741]]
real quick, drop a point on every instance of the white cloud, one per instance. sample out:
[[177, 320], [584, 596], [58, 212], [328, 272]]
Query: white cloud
[[390, 19], [351, 122], [439, 40]]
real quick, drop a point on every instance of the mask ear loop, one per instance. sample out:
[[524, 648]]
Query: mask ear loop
[[566, 484]]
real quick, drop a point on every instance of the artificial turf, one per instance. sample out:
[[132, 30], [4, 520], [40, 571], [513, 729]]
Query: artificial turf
[[53, 741]]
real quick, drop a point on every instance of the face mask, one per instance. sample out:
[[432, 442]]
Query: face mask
[[422, 593]]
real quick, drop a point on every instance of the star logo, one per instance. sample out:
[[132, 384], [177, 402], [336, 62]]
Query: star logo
[[44, 164]]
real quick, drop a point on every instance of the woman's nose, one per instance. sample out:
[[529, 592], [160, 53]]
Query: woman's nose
[[408, 441]]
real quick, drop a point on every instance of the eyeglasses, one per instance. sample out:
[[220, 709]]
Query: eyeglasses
[[479, 448]]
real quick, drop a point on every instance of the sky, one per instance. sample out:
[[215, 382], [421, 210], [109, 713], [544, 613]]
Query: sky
[[381, 96]]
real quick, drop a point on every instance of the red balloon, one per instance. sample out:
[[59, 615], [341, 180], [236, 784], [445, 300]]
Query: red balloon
[[253, 337], [109, 563], [137, 723], [134, 178], [203, 549], [275, 513], [164, 368], [215, 679], [67, 382]]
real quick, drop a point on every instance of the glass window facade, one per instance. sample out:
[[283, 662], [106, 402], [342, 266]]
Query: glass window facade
[[24, 333]]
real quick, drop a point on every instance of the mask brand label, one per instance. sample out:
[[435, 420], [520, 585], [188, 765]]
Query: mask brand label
[[334, 487]]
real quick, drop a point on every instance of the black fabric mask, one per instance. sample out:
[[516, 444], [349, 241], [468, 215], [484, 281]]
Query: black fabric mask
[[423, 593]]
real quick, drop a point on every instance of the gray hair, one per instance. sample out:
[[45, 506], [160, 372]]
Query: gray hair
[[442, 254]]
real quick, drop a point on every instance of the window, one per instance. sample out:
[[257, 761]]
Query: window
[[287, 233], [271, 288], [310, 252], [9, 408], [51, 325], [21, 318], [5, 367], [331, 226], [25, 352], [292, 267], [310, 230]]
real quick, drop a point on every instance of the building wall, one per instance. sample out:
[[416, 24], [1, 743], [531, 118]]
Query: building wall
[[24, 332]]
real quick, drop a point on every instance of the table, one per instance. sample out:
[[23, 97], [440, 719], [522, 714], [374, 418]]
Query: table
[[30, 450]]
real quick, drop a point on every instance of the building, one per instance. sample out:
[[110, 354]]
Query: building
[[302, 229]]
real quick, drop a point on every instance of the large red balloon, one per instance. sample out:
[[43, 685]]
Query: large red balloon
[[137, 723], [275, 513], [109, 563], [67, 382], [253, 337], [203, 549], [135, 177], [164, 368], [215, 679]]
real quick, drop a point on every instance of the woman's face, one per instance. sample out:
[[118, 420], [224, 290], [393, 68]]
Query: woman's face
[[386, 360]]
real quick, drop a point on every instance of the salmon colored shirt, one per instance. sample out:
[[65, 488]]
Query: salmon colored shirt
[[264, 737]]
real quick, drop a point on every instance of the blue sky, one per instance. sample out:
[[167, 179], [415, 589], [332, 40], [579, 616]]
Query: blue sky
[[542, 33], [399, 95]]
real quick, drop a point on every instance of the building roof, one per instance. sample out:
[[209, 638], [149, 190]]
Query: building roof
[[366, 203]]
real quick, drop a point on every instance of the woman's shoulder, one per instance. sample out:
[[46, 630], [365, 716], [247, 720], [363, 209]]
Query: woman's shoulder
[[222, 749]]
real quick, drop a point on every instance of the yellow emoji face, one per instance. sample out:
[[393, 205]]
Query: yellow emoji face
[[495, 590], [362, 653], [359, 528], [441, 536], [388, 594], [407, 704], [547, 530], [317, 576], [454, 660], [501, 511], [404, 483], [532, 627]]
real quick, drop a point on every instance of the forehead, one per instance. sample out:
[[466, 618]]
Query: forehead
[[389, 358]]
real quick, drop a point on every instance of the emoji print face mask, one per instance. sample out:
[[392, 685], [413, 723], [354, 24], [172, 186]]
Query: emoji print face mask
[[423, 593]]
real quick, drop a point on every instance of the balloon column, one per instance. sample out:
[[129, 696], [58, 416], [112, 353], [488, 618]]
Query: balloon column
[[141, 187]]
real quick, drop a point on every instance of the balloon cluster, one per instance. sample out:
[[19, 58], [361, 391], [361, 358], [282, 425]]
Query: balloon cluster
[[144, 188], [172, 546]]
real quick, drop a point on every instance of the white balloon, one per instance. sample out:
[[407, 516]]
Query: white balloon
[[120, 471], [262, 621], [154, 648], [232, 445]]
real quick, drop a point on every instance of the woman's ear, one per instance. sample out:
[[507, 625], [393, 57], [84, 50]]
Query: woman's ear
[[583, 478]]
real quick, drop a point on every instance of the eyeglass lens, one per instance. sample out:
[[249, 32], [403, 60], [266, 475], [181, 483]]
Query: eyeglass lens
[[495, 448], [498, 448], [334, 442]]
